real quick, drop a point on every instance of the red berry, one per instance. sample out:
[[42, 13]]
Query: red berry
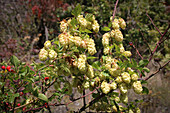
[[3, 67], [7, 103], [6, 94], [18, 104], [130, 43], [45, 103], [21, 93], [24, 108], [46, 78], [8, 68]]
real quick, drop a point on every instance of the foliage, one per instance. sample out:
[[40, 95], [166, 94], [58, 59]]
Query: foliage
[[66, 56], [71, 61]]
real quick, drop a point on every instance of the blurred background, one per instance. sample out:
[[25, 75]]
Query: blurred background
[[26, 24]]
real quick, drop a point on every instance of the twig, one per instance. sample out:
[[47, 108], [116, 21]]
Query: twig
[[157, 70], [83, 96], [114, 12], [137, 52], [153, 23], [92, 102], [158, 43]]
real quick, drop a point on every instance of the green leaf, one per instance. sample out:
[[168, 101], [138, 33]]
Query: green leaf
[[77, 10], [146, 69], [134, 63], [14, 61], [96, 65], [11, 99], [143, 74], [87, 31], [143, 63], [110, 24], [95, 95], [73, 22], [143, 82], [35, 92], [138, 101], [105, 74], [89, 17], [105, 29], [16, 95], [42, 97], [91, 57], [145, 90]]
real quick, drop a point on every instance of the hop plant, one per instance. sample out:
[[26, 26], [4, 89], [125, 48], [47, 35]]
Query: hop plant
[[122, 23], [43, 55], [137, 110], [95, 26], [112, 34], [130, 111], [52, 54], [114, 72], [119, 79], [115, 24], [126, 77], [113, 85], [137, 87], [47, 44], [63, 39], [134, 77], [122, 49], [123, 88], [105, 87], [124, 98], [91, 47], [90, 72], [82, 63], [63, 26], [106, 50], [86, 84], [82, 21], [127, 53], [118, 35], [105, 39]]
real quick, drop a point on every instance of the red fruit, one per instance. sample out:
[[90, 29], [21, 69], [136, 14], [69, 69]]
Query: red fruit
[[24, 108], [11, 70], [8, 68], [7, 103], [3, 67], [6, 94], [46, 78], [130, 43], [18, 104], [21, 93], [45, 103]]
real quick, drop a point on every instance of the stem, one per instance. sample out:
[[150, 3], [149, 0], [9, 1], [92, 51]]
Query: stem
[[153, 23], [92, 102], [137, 51], [84, 98], [158, 43], [157, 70], [114, 12]]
